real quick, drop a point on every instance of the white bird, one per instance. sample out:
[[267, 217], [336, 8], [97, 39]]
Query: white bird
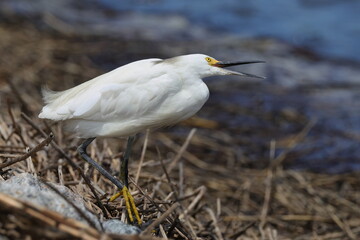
[[145, 94]]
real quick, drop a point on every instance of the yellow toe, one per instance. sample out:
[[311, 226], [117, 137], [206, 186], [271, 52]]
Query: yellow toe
[[115, 196], [129, 203]]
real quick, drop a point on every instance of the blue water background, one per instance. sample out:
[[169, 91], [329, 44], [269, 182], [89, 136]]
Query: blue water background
[[329, 27]]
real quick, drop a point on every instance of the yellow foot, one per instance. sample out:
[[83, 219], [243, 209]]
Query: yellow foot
[[129, 202]]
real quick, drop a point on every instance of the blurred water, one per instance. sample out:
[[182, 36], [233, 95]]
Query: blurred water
[[329, 27]]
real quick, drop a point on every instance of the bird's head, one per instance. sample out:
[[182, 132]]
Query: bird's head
[[207, 66]]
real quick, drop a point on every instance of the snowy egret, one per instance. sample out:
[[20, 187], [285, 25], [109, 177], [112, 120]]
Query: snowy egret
[[145, 94]]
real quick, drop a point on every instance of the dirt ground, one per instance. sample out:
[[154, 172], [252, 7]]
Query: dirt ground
[[187, 180]]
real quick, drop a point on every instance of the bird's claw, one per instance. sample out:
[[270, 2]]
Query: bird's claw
[[129, 203]]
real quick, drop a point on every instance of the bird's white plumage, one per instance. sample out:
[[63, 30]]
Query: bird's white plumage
[[144, 94]]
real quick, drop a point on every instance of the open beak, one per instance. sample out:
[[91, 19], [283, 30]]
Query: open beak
[[229, 64]]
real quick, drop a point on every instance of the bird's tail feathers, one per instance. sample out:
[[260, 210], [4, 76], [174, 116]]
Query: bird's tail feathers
[[49, 95]]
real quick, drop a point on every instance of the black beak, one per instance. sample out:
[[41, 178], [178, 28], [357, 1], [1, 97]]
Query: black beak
[[229, 64]]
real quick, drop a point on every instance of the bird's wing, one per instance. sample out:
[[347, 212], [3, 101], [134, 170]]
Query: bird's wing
[[122, 92], [121, 101]]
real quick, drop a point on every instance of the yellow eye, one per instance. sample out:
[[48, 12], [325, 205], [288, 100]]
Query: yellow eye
[[208, 59]]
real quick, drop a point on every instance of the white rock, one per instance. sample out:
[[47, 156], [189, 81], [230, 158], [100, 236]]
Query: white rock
[[28, 188]]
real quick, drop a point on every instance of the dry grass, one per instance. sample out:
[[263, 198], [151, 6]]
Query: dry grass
[[180, 190]]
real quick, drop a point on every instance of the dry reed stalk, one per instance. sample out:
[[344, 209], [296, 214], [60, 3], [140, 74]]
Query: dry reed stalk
[[29, 153]]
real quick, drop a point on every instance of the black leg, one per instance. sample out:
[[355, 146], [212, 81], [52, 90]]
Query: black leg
[[125, 161], [82, 151]]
